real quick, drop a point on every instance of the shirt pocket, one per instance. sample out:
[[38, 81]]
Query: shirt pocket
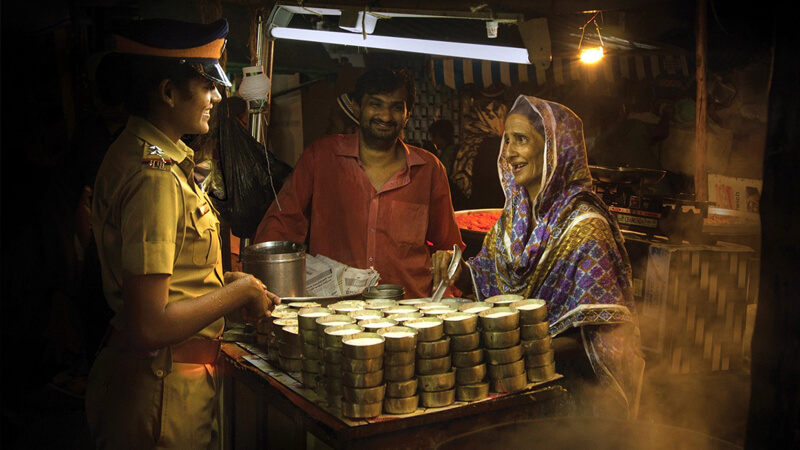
[[409, 222], [206, 247]]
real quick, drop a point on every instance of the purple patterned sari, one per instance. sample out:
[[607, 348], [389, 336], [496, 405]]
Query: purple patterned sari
[[562, 245]]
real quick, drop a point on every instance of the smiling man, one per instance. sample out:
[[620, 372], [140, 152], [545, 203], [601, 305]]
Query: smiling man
[[368, 199]]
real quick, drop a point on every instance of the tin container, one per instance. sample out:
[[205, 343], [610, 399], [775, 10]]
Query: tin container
[[346, 306], [399, 358], [400, 405], [438, 312], [500, 339], [532, 310], [334, 335], [496, 356], [380, 304], [362, 380], [539, 330], [364, 345], [458, 323], [437, 399], [399, 338], [398, 373], [499, 318], [290, 364], [400, 309], [539, 359], [468, 358], [472, 392], [536, 345], [434, 349], [512, 369], [401, 388], [384, 291], [362, 365], [511, 384], [465, 342], [429, 366], [364, 395], [413, 301], [475, 307], [403, 317], [307, 317], [437, 381], [332, 320], [332, 355], [429, 328], [361, 410], [365, 314], [312, 351], [504, 299], [539, 374], [377, 324], [281, 265], [470, 375]]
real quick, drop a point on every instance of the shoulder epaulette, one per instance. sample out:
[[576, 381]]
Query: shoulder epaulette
[[155, 158]]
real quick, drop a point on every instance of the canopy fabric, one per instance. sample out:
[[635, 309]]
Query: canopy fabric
[[455, 73]]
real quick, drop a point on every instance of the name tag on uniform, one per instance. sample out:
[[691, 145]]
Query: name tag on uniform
[[203, 209]]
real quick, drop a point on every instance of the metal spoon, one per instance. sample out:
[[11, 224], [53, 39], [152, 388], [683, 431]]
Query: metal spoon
[[451, 270]]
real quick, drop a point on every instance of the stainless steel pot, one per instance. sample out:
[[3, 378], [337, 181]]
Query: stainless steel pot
[[281, 265]]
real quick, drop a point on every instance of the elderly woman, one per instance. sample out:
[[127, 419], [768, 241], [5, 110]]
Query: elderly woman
[[556, 240]]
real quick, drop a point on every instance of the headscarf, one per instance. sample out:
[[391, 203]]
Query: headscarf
[[562, 245]]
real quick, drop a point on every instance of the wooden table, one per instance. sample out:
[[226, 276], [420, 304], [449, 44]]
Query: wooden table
[[264, 407]]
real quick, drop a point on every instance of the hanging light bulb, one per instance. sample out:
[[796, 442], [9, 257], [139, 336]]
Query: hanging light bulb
[[593, 54], [254, 87]]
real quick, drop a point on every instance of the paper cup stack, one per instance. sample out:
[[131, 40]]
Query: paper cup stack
[[331, 329], [363, 388], [500, 334], [309, 339], [436, 379], [536, 341], [398, 369]]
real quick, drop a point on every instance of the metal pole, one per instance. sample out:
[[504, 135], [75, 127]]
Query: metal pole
[[701, 138]]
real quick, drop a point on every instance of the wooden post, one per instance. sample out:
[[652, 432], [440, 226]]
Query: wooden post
[[701, 138]]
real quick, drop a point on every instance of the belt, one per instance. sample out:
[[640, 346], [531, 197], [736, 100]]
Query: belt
[[192, 351]]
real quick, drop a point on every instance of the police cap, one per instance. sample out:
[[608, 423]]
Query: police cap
[[195, 44]]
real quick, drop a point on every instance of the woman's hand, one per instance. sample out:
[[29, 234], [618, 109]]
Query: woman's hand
[[262, 300]]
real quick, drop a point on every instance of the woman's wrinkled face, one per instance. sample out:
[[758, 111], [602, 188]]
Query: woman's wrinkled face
[[524, 150], [193, 105]]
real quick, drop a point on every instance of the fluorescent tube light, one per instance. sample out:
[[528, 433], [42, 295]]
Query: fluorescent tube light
[[430, 47]]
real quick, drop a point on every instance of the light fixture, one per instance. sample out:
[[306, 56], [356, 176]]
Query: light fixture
[[430, 47], [591, 54], [361, 25]]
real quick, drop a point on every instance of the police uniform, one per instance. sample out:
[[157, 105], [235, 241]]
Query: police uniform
[[149, 217]]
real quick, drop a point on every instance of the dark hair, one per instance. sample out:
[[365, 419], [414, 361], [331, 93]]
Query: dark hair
[[443, 128], [141, 74], [382, 81]]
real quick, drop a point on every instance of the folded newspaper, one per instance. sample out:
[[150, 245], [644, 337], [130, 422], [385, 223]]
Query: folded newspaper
[[326, 277]]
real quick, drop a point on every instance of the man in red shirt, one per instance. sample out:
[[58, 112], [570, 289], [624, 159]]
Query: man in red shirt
[[368, 199]]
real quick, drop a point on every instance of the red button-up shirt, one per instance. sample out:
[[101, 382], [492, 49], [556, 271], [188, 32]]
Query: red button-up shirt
[[330, 204]]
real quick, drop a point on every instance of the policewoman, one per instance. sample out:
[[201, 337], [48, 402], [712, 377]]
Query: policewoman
[[153, 383]]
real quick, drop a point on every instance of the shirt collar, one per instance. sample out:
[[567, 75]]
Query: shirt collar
[[348, 146], [146, 131]]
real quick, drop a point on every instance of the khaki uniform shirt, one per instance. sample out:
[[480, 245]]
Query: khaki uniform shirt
[[149, 217]]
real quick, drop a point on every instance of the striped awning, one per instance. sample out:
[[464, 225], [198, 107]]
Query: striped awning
[[455, 73]]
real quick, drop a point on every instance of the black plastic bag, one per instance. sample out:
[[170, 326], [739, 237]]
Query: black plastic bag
[[251, 176]]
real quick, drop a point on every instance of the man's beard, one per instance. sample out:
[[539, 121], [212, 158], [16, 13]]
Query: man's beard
[[379, 141]]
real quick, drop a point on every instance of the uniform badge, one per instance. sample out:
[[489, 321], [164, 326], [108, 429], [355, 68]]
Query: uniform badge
[[155, 158]]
